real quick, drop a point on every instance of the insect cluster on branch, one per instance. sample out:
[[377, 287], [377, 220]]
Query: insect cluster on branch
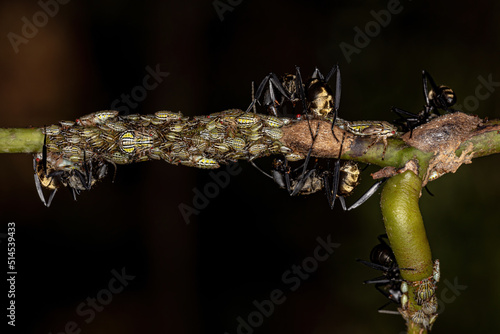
[[396, 289], [76, 154], [425, 295]]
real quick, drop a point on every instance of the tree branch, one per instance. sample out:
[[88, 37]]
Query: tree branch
[[411, 160], [438, 147], [21, 140]]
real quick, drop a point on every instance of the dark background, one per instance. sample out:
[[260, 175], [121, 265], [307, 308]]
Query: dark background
[[200, 277]]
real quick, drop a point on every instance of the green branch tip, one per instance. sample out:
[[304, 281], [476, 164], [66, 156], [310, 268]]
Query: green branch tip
[[21, 140], [406, 232]]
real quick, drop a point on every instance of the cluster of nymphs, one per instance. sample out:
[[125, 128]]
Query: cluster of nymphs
[[425, 295], [396, 289], [77, 154]]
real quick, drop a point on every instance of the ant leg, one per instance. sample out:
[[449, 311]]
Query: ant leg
[[373, 189], [260, 89], [381, 238], [38, 185], [331, 193], [428, 191], [302, 97], [318, 75], [273, 109], [82, 177], [379, 280], [393, 294], [302, 94], [338, 88], [376, 267], [75, 192], [253, 98], [87, 177], [286, 171], [51, 197], [336, 175], [334, 69], [277, 84], [425, 75], [402, 113], [260, 170], [273, 80], [386, 294], [39, 190], [342, 202], [44, 151], [381, 309], [270, 99], [336, 179], [114, 174], [387, 311], [329, 197], [431, 108], [281, 174], [408, 120]]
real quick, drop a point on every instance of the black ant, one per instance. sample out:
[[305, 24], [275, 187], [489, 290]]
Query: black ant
[[318, 102], [389, 284], [438, 97], [48, 176]]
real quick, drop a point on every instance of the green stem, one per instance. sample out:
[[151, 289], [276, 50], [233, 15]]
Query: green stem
[[21, 140], [406, 231]]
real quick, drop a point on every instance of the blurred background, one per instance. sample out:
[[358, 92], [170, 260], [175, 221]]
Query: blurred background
[[61, 61]]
